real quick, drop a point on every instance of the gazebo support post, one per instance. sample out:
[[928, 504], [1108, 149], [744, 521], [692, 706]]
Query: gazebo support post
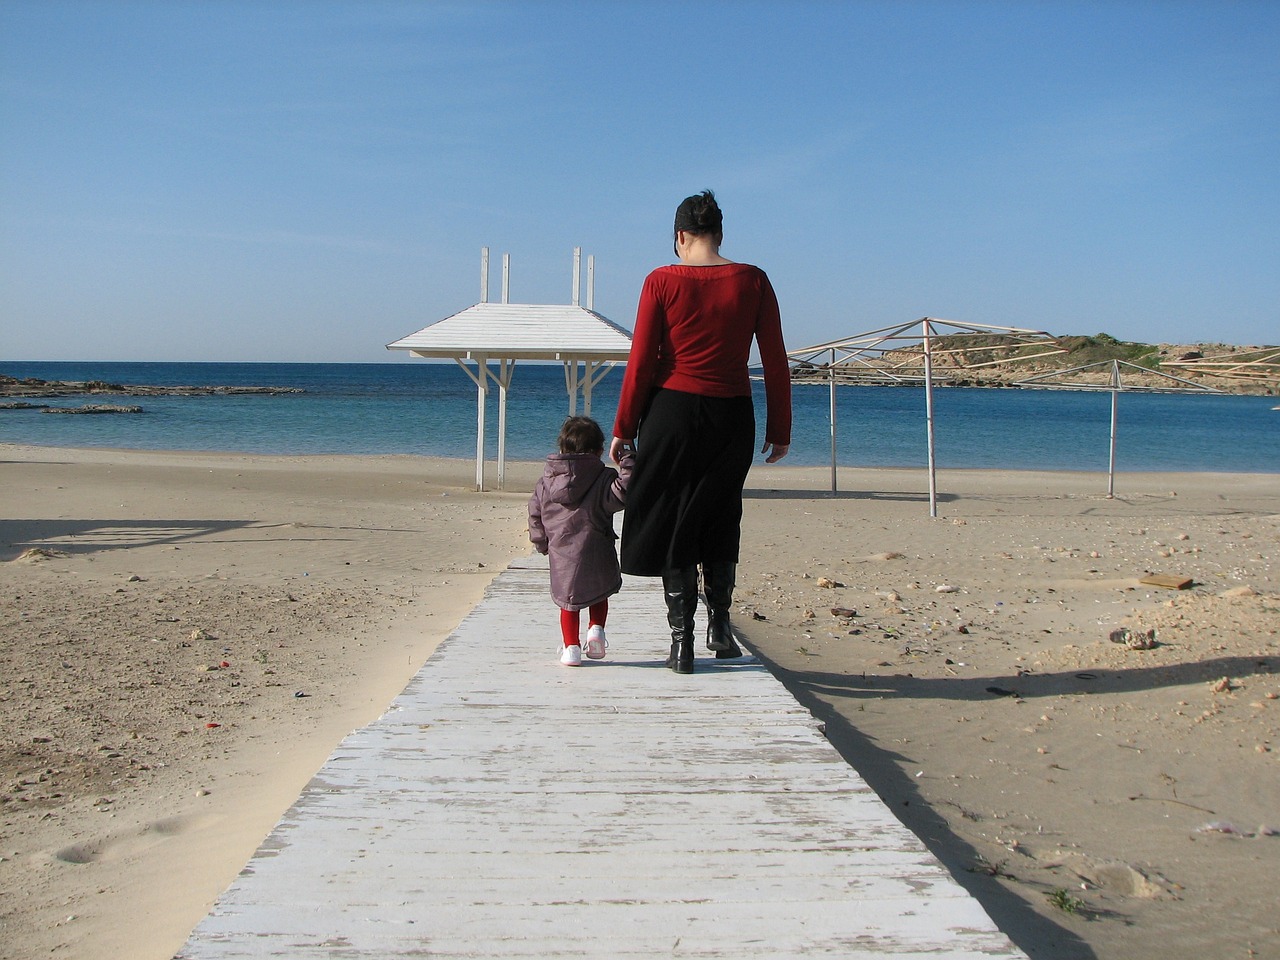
[[482, 390], [583, 380], [571, 385], [506, 368]]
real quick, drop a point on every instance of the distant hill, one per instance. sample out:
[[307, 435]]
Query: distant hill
[[987, 360]]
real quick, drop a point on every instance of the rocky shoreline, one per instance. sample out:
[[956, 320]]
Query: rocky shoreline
[[35, 387], [87, 408]]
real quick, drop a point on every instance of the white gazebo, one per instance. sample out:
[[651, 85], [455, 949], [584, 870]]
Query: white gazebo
[[587, 343]]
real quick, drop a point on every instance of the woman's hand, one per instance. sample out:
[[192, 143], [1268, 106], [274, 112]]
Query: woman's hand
[[779, 451], [617, 447]]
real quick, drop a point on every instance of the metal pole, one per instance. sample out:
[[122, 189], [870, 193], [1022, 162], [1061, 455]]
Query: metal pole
[[591, 282], [484, 274], [482, 387], [504, 378], [1115, 397], [506, 278], [928, 416], [831, 373]]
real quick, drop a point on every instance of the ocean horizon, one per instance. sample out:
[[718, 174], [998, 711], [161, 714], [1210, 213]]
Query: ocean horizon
[[429, 409]]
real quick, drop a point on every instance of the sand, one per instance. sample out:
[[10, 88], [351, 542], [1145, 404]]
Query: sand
[[186, 638]]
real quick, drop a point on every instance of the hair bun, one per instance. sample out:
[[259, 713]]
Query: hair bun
[[700, 214]]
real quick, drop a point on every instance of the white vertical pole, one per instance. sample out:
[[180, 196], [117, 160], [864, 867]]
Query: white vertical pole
[[589, 378], [504, 377], [831, 373], [577, 276], [506, 278], [571, 385], [1115, 397], [928, 416], [484, 274], [482, 387], [591, 282]]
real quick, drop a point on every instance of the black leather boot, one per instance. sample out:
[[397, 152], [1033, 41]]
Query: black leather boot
[[681, 590], [718, 583]]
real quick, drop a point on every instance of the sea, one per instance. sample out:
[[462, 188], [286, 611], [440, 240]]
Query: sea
[[426, 408]]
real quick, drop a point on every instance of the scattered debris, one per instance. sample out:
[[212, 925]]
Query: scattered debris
[[1244, 591], [1135, 639], [37, 554], [1167, 580]]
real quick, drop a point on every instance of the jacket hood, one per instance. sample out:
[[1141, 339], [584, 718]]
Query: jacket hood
[[571, 475]]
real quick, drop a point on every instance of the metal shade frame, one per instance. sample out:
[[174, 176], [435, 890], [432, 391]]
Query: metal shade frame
[[922, 351], [1115, 383], [1260, 366]]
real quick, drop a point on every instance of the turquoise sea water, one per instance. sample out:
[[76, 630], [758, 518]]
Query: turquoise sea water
[[430, 409]]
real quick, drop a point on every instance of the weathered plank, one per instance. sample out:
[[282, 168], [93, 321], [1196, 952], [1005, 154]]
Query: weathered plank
[[507, 806]]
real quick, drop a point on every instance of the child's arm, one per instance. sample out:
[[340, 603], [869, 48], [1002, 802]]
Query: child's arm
[[537, 533], [617, 497]]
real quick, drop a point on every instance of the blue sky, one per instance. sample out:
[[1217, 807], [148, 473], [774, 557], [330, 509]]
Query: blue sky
[[311, 180]]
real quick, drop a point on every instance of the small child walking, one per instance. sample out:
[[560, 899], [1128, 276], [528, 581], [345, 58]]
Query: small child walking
[[571, 521]]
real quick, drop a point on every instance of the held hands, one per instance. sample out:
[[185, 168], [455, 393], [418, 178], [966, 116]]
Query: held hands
[[618, 448], [779, 451]]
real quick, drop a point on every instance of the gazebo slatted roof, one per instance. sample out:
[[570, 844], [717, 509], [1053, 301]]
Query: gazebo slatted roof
[[521, 331]]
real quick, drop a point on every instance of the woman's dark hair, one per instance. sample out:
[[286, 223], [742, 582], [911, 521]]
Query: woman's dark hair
[[581, 435], [700, 214]]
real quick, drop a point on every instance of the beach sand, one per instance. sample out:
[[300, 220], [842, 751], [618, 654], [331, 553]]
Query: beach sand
[[187, 637]]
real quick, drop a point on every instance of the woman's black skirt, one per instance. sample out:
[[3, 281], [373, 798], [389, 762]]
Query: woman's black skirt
[[684, 500]]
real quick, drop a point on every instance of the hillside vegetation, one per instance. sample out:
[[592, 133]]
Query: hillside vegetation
[[992, 360]]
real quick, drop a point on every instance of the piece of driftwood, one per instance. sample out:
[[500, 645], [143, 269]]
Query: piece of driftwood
[[1169, 580]]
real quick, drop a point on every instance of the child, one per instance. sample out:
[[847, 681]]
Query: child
[[571, 521]]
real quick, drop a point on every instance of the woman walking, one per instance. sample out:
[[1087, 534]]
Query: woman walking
[[686, 406]]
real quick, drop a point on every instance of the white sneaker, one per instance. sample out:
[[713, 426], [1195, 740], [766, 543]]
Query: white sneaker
[[572, 656], [596, 643]]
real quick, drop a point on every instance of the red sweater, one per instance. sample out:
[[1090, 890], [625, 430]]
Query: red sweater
[[694, 328]]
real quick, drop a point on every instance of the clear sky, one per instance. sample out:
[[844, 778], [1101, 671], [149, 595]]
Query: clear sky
[[310, 180]]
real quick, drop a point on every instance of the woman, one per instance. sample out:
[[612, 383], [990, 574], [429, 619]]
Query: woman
[[686, 406]]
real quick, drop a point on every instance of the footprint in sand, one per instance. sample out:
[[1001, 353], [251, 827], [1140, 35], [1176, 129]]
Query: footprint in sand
[[122, 844]]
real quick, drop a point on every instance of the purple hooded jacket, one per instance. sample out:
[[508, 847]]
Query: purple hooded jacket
[[571, 520]]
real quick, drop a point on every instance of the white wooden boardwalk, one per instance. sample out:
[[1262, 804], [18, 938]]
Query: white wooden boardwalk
[[507, 806]]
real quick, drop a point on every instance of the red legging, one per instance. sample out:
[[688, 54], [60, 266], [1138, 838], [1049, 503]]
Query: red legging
[[570, 620]]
